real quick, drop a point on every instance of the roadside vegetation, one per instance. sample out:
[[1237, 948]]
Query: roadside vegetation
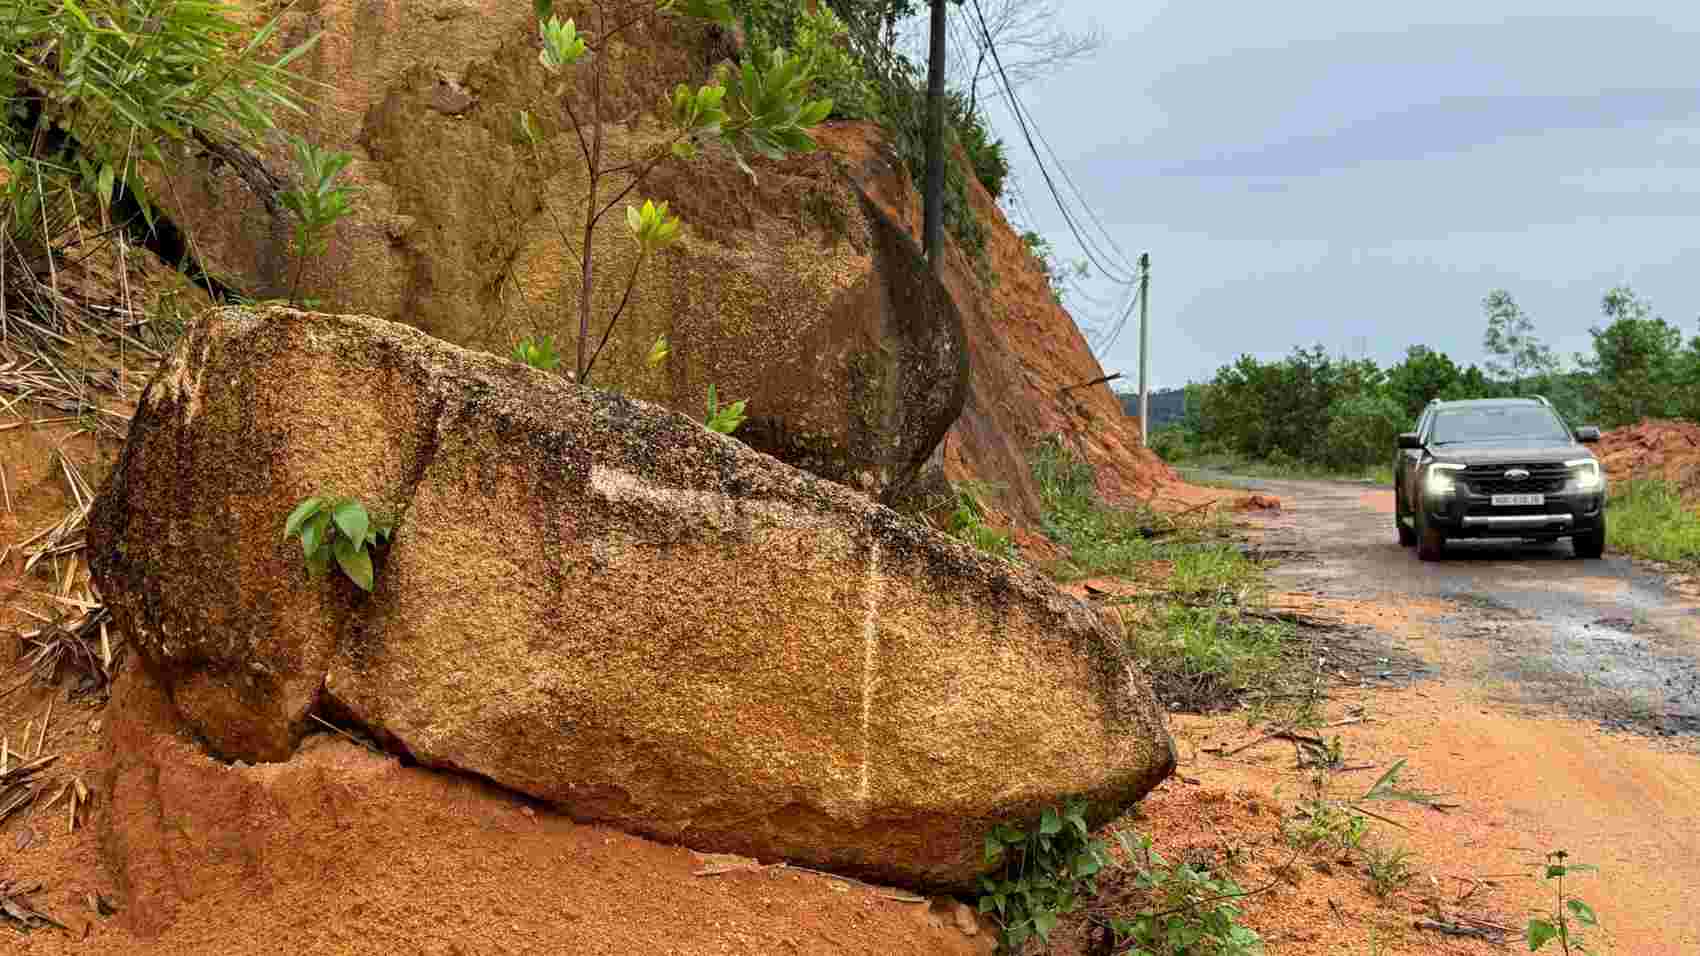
[[1206, 469], [1649, 519], [1313, 414], [1198, 620]]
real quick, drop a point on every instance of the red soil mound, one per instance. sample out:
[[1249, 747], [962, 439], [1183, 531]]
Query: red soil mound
[[341, 850], [1665, 450]]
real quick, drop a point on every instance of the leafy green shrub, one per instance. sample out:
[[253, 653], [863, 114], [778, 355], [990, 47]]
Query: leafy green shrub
[[318, 202], [1363, 430], [1191, 911], [1058, 275], [337, 529], [1172, 443], [91, 92], [820, 39], [985, 154], [1045, 870]]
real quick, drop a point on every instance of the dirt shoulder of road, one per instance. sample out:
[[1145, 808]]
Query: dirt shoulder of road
[[1516, 717]]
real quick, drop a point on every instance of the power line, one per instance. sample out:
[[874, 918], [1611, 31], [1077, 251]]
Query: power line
[[1124, 275]]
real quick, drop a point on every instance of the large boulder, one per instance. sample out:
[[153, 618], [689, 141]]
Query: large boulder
[[601, 604], [788, 289]]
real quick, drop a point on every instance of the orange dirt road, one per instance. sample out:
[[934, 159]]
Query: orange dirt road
[[1556, 701]]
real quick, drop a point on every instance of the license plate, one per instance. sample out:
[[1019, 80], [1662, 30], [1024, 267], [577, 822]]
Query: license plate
[[1506, 501]]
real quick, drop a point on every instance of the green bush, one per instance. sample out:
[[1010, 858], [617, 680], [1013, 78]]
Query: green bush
[[838, 76], [985, 154], [1171, 443], [1190, 911], [1363, 430], [1046, 869], [897, 96]]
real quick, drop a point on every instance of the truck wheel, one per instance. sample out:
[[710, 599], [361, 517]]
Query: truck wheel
[[1431, 543], [1593, 544], [1407, 537]]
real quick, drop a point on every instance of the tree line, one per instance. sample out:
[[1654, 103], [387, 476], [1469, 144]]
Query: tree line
[[1315, 408]]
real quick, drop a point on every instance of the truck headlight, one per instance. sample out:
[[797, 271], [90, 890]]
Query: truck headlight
[[1585, 474], [1441, 480]]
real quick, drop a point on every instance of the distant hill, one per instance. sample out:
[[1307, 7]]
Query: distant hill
[[1167, 405]]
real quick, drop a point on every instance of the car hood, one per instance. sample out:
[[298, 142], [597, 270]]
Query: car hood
[[1485, 453]]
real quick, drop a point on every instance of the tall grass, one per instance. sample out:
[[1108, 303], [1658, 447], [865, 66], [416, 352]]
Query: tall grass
[[1649, 519], [1200, 648]]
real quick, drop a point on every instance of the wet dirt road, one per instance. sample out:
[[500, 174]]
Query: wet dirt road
[[1558, 699], [1605, 638]]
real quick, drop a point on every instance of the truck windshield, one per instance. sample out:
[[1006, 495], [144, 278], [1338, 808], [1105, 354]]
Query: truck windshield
[[1521, 422]]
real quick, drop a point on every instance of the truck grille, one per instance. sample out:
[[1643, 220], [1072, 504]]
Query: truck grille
[[1547, 478]]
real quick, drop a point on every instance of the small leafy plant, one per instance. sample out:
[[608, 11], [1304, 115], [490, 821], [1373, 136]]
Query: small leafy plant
[[1191, 911], [1568, 913], [1389, 869], [538, 352], [724, 419], [340, 530], [968, 522], [1327, 825], [1341, 824], [762, 107], [318, 202], [1045, 870]]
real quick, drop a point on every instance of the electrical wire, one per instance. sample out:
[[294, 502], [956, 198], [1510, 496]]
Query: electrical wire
[[1123, 273]]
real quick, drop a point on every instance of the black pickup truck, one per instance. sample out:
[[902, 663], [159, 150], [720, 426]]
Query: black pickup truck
[[1498, 468]]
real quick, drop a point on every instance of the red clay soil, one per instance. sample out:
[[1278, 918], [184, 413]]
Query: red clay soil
[[342, 850], [1665, 450], [1030, 364], [1258, 503], [1471, 862]]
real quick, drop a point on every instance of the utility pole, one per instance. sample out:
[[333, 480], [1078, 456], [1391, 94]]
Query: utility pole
[[932, 221], [1144, 349]]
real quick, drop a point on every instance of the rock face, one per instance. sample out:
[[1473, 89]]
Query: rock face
[[601, 604], [788, 290], [1029, 357]]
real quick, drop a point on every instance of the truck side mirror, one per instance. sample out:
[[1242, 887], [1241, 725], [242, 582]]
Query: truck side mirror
[[1412, 440], [1588, 434]]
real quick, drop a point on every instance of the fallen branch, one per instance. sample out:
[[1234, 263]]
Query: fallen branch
[[1455, 929], [1097, 381]]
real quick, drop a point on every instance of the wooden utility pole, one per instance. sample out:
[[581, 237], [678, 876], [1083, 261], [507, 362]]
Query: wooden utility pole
[[1144, 349], [932, 222]]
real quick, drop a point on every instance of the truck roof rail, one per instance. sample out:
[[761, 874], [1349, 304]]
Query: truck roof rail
[[1542, 399]]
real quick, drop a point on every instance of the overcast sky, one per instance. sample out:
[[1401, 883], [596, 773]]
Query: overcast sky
[[1360, 175]]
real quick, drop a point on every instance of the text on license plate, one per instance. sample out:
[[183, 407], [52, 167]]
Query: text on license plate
[[1501, 501]]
